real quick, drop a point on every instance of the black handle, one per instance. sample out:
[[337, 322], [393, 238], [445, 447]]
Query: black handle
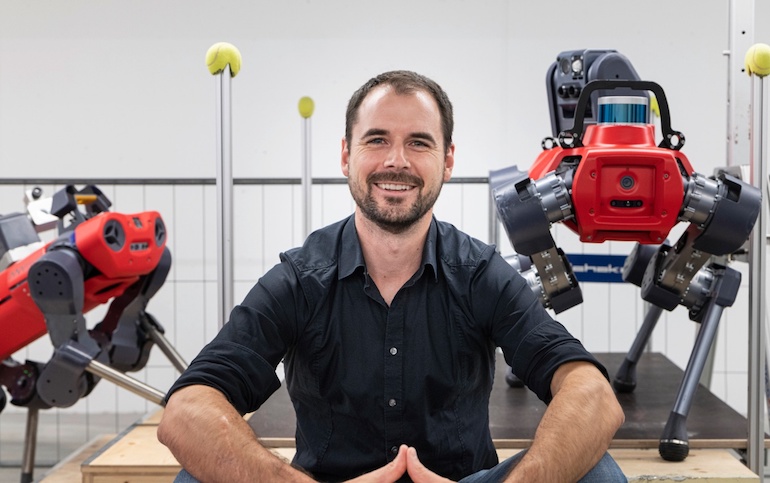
[[671, 139]]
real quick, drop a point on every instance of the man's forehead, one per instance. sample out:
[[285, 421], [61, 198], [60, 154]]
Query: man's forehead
[[373, 105], [386, 90]]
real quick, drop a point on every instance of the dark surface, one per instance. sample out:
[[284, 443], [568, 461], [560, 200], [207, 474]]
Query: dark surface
[[515, 412]]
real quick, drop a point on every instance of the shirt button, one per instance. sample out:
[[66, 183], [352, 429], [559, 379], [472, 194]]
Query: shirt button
[[392, 402], [393, 351], [394, 449]]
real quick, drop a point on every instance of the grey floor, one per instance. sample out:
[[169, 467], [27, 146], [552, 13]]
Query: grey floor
[[60, 433]]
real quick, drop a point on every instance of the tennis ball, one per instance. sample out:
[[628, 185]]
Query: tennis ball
[[757, 60], [306, 107], [220, 55], [654, 106]]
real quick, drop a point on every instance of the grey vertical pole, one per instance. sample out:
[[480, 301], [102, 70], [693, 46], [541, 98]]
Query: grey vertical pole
[[494, 230], [741, 37], [224, 61], [30, 444], [306, 108], [757, 61]]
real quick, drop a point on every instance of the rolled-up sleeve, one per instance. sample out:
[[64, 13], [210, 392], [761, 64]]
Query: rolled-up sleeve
[[534, 344], [241, 360]]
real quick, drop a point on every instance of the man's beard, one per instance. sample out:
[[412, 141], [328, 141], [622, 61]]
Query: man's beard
[[395, 217]]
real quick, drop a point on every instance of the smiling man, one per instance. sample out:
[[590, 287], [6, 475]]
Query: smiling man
[[388, 322]]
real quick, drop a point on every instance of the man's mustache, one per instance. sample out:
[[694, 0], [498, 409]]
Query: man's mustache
[[405, 178]]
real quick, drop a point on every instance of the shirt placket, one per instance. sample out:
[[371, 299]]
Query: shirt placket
[[394, 390]]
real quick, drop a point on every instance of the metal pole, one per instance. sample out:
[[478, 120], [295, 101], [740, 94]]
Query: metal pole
[[126, 382], [224, 199], [30, 443], [306, 107], [494, 229], [165, 346], [224, 61], [757, 260], [741, 37]]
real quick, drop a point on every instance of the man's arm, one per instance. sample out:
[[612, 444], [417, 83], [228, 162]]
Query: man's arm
[[213, 442], [575, 430]]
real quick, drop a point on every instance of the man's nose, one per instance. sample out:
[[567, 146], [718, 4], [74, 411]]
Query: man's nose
[[397, 158]]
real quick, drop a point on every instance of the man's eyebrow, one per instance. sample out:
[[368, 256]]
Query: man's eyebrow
[[424, 135], [415, 135], [375, 132]]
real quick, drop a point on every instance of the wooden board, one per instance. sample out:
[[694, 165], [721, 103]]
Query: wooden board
[[134, 457], [138, 457]]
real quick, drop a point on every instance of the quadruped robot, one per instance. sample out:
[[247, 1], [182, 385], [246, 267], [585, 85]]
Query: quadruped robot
[[606, 179], [98, 257]]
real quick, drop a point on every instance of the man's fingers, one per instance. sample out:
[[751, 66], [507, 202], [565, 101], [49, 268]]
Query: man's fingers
[[418, 472], [388, 473]]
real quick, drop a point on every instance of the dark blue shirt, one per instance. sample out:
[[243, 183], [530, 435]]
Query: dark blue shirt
[[365, 377]]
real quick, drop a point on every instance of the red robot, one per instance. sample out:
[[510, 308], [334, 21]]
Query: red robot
[[610, 181], [98, 257]]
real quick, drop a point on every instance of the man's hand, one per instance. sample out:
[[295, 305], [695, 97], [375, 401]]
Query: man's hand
[[405, 462], [388, 473], [418, 472]]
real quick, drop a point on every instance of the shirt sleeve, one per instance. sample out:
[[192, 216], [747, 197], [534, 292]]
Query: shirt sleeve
[[241, 359], [533, 343]]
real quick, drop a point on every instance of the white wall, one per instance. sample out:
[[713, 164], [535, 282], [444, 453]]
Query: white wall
[[119, 89]]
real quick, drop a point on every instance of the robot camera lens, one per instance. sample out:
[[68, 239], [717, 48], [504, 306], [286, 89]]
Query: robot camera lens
[[627, 182], [565, 65], [577, 66]]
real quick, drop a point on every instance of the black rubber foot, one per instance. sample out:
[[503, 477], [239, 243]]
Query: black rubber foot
[[624, 387], [673, 450], [512, 380]]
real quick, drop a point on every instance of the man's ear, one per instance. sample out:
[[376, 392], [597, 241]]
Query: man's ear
[[344, 158], [449, 162]]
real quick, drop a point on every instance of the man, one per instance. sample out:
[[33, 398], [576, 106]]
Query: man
[[388, 323]]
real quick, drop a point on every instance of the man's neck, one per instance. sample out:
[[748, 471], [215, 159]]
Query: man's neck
[[391, 259]]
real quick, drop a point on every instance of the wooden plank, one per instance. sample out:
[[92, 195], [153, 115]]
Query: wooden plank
[[138, 457], [706, 465]]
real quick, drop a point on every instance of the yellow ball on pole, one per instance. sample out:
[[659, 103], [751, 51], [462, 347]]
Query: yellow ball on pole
[[306, 107], [222, 54], [757, 60]]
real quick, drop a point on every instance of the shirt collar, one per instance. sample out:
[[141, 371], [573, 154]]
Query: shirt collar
[[351, 256]]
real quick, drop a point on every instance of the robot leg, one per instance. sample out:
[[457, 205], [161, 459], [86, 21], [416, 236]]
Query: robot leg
[[674, 442], [56, 286]]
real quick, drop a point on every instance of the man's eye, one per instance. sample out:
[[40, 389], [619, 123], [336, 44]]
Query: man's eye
[[376, 141]]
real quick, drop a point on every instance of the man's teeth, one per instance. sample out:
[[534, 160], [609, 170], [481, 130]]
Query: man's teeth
[[394, 187]]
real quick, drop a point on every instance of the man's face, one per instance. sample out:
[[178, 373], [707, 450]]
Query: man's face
[[396, 163]]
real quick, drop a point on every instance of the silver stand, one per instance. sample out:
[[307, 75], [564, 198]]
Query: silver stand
[[225, 298]]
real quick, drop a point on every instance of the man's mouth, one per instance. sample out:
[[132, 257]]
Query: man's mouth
[[394, 187], [395, 181]]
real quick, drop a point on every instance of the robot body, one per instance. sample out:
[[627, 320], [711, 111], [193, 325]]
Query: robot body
[[622, 186], [609, 181], [115, 249], [100, 257]]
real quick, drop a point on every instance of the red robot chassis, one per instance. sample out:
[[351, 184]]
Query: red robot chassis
[[609, 181]]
